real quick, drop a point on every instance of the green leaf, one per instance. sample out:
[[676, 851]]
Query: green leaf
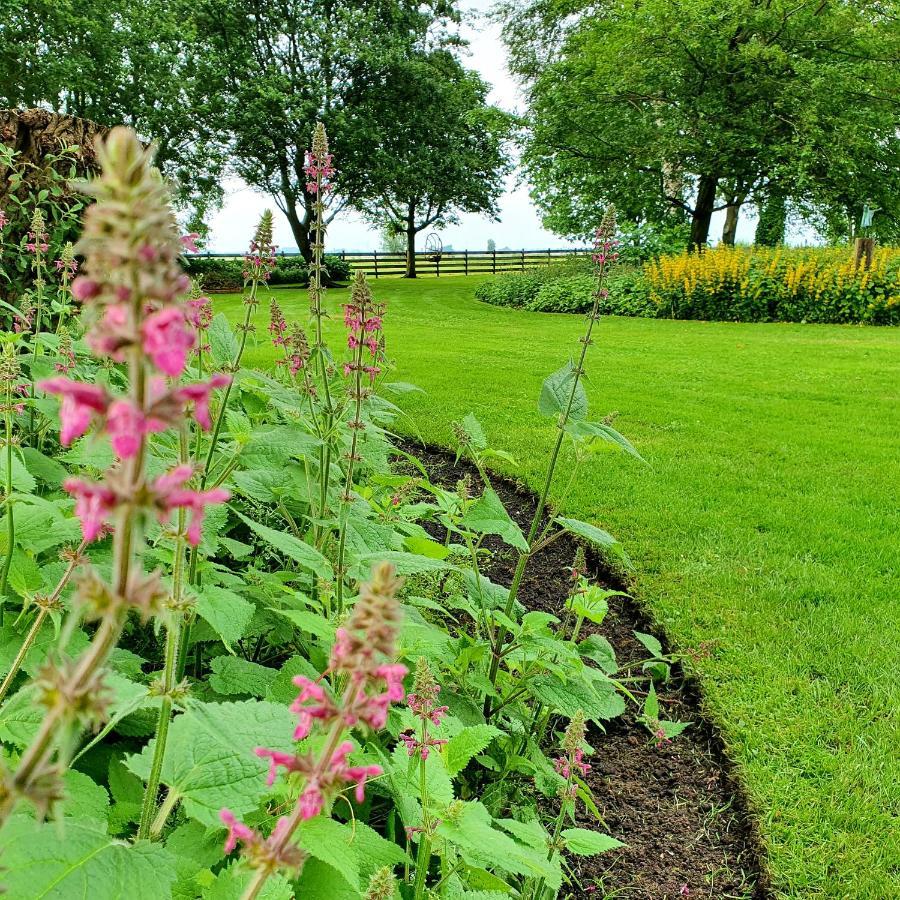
[[48, 470], [467, 744], [592, 533], [404, 563], [232, 881], [49, 861], [650, 643], [598, 649], [651, 704], [22, 479], [319, 881], [209, 757], [567, 697], [331, 843], [472, 832], [531, 833], [309, 621], [474, 432], [606, 433], [227, 613], [487, 515], [556, 391], [84, 798], [233, 675], [299, 551], [588, 843], [223, 343], [423, 546]]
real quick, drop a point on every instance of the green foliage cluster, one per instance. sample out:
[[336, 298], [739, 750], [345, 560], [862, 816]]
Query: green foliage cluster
[[219, 275]]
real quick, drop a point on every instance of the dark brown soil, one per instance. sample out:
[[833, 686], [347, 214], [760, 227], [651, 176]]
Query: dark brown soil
[[677, 807]]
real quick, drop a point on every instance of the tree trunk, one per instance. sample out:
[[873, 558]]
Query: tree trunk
[[299, 227], [411, 242], [732, 214], [703, 210]]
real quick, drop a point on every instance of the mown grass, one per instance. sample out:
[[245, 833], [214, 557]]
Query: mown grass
[[765, 530]]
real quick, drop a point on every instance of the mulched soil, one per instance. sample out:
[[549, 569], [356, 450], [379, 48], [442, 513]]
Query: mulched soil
[[678, 807]]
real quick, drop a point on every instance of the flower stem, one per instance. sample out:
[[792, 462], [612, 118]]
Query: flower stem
[[525, 555], [8, 502], [39, 620]]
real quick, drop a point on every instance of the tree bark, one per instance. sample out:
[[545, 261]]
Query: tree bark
[[732, 214], [299, 227], [411, 242], [703, 210]]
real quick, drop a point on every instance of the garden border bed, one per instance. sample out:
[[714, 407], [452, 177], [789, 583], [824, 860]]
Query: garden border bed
[[680, 808]]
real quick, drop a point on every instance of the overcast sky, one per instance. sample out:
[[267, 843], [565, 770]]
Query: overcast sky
[[519, 226]]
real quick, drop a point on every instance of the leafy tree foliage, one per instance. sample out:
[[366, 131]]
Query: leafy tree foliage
[[697, 105], [116, 62], [447, 155], [272, 69]]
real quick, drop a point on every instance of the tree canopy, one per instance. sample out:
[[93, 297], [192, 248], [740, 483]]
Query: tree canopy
[[681, 107], [436, 148], [117, 62]]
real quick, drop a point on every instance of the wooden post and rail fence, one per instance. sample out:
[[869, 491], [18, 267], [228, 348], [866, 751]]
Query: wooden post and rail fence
[[382, 264]]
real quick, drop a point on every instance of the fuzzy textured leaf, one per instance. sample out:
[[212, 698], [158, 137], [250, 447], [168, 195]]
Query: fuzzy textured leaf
[[589, 843], [299, 551], [555, 393]]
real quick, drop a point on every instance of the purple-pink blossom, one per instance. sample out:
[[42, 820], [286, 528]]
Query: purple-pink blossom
[[168, 340], [80, 403], [170, 494], [199, 394], [189, 242], [94, 505]]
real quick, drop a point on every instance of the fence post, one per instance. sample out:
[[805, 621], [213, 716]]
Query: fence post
[[375, 257], [466, 258], [523, 259], [494, 262]]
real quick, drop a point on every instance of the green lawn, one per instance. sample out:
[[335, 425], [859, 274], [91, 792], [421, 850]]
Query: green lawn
[[767, 526]]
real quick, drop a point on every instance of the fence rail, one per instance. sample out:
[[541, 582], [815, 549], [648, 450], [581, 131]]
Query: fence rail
[[450, 262]]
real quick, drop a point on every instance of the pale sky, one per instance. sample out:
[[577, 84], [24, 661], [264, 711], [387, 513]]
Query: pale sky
[[519, 226]]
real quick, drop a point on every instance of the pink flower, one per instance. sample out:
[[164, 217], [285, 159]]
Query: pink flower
[[310, 801], [237, 831], [80, 403], [171, 494], [276, 758], [321, 708], [189, 242], [113, 333], [84, 289], [3, 220], [94, 504], [168, 340], [199, 395], [126, 426], [198, 312]]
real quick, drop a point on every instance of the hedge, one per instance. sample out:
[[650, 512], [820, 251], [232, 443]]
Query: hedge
[[220, 275], [739, 284]]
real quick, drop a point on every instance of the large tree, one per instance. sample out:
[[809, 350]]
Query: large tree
[[736, 99], [436, 148], [273, 68], [116, 62]]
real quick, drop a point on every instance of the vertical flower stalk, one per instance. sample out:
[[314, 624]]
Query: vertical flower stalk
[[363, 326], [9, 377], [37, 245], [604, 257], [319, 170], [45, 605], [66, 269], [571, 766], [423, 703], [131, 287], [259, 263], [362, 657]]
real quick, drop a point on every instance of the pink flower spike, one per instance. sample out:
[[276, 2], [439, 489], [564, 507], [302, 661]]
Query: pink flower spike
[[167, 340], [80, 402], [94, 504], [84, 289], [189, 242]]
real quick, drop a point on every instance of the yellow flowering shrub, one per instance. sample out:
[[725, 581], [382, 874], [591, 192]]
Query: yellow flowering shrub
[[782, 284]]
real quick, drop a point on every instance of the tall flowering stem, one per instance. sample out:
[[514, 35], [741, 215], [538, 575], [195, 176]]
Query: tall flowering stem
[[363, 323], [423, 703], [362, 658], [9, 377], [45, 606], [259, 263], [131, 288], [571, 766], [605, 254], [37, 245], [319, 171]]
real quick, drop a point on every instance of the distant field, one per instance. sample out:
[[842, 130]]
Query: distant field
[[765, 531]]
